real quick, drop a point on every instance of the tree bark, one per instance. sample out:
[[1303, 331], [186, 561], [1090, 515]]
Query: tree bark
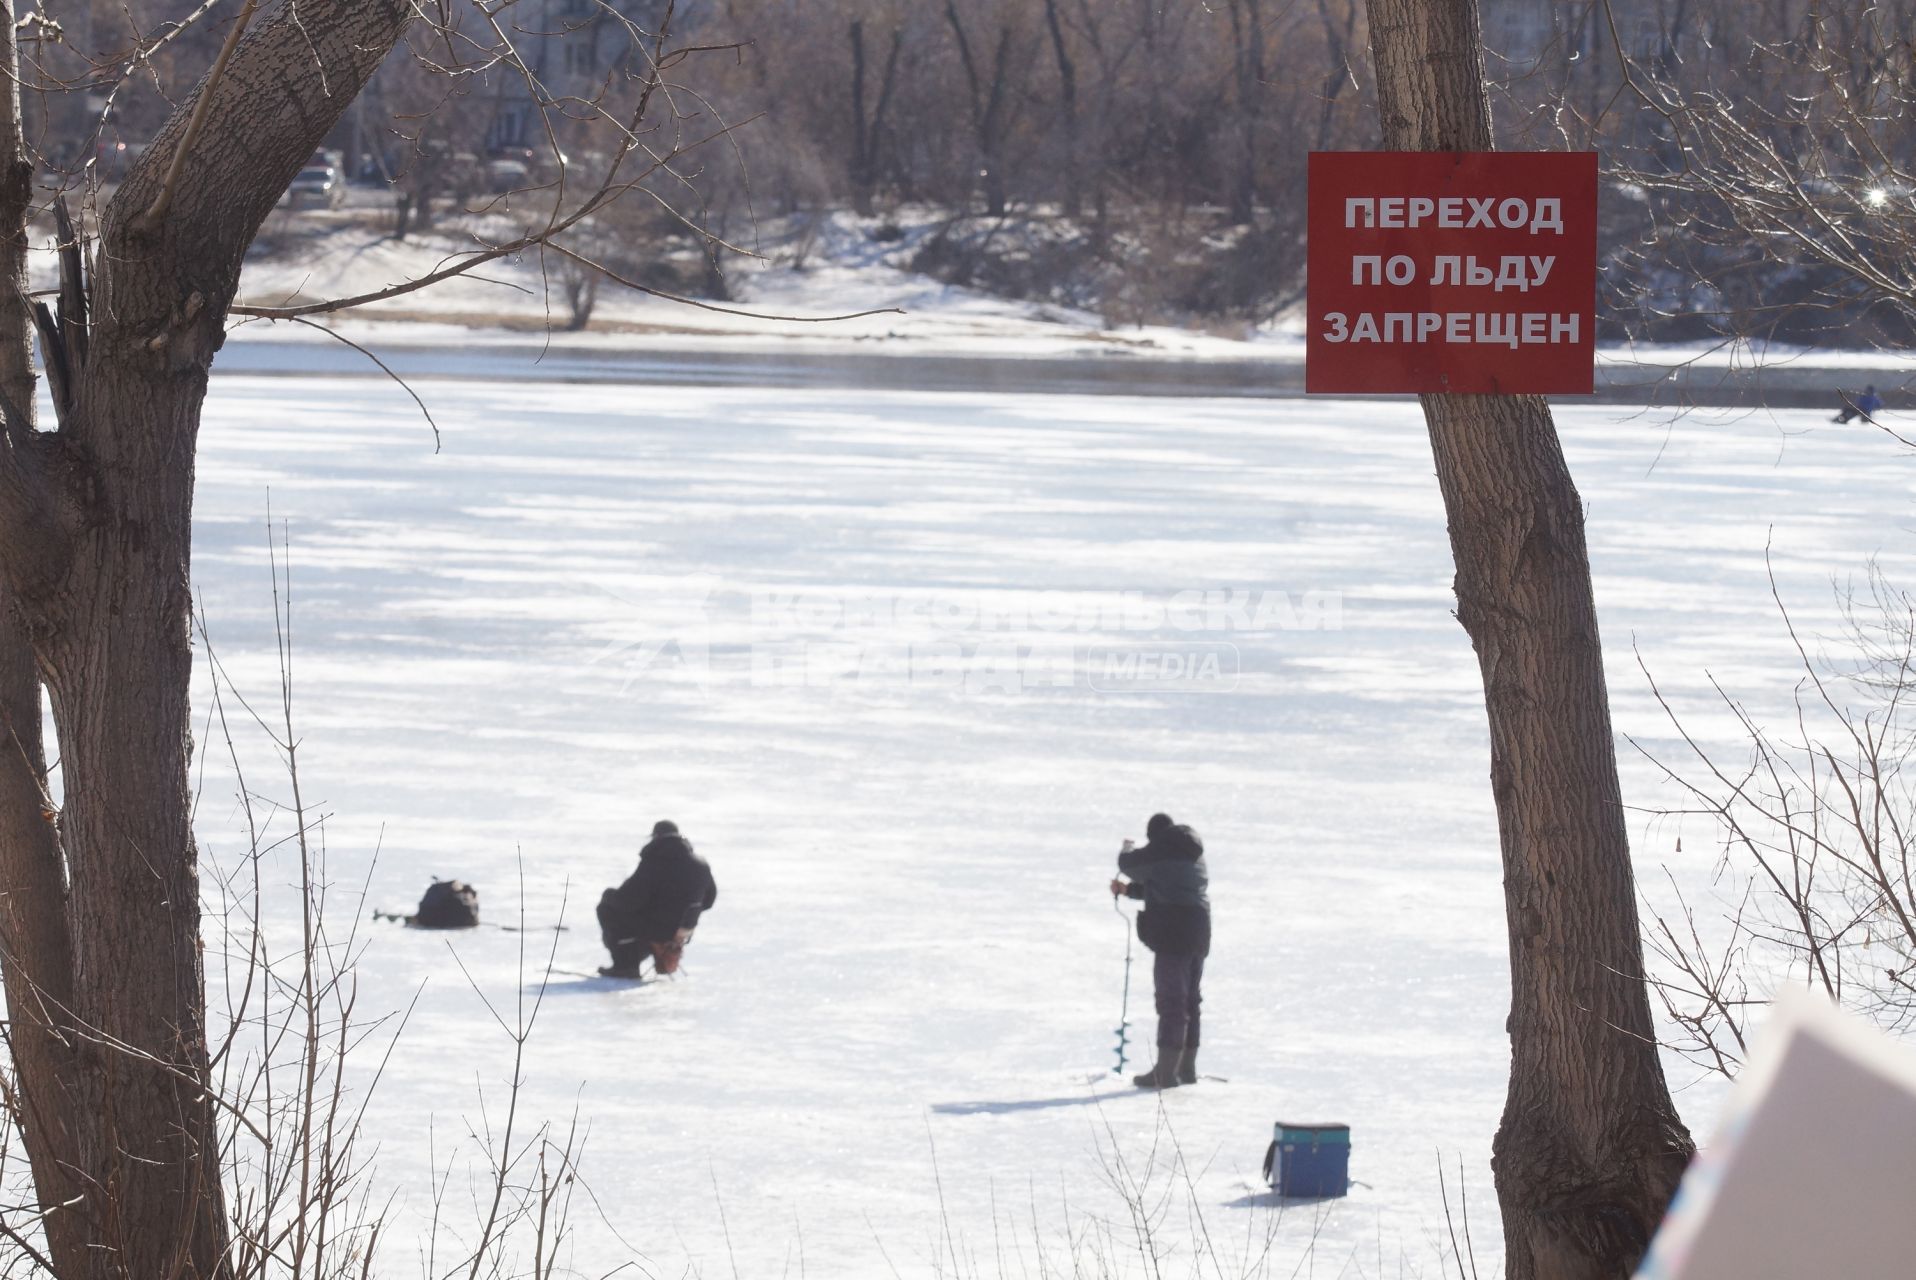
[[1073, 185], [35, 951], [1590, 1148], [1247, 64], [36, 954], [103, 590], [867, 131], [861, 178], [988, 120], [993, 126], [1337, 45]]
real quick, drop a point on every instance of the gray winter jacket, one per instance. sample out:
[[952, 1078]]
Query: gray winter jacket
[[1170, 876]]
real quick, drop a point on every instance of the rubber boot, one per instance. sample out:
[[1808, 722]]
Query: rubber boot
[[1162, 1076], [627, 955], [630, 971], [1187, 1066]]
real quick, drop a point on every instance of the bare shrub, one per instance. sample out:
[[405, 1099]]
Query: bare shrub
[[1813, 881]]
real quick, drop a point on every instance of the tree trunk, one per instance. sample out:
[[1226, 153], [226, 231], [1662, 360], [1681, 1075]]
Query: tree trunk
[[1073, 183], [95, 536], [993, 127], [1590, 1148], [118, 668], [861, 153], [35, 951], [988, 120], [34, 948], [716, 286], [1247, 62], [866, 131], [1337, 45]]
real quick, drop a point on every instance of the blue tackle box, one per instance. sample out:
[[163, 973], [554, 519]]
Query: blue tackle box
[[1309, 1160]]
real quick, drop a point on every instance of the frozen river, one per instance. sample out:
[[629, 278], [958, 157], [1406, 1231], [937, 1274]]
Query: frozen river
[[907, 666]]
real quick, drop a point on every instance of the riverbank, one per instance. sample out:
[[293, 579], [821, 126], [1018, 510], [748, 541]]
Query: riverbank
[[1706, 375]]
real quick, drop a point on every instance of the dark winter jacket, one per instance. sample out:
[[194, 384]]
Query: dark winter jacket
[[1169, 875], [671, 889]]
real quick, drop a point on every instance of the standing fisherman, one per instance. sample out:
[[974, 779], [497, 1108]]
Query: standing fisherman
[[1169, 875]]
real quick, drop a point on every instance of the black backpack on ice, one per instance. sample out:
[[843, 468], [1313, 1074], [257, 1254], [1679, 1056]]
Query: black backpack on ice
[[448, 904]]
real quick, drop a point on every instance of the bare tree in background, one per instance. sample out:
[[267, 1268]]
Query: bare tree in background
[[1117, 155], [1815, 826], [868, 127], [1338, 22], [1777, 199], [1758, 157], [990, 92], [1249, 93], [1073, 190], [100, 934], [1590, 1148]]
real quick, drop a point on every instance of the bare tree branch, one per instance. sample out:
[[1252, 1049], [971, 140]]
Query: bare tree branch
[[157, 210]]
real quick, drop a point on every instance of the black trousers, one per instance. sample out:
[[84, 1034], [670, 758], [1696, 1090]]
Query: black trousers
[[620, 933], [1179, 981]]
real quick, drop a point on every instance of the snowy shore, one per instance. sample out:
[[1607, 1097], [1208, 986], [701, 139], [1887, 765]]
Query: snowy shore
[[906, 329]]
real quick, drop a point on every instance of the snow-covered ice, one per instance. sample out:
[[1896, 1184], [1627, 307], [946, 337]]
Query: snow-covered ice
[[889, 1049]]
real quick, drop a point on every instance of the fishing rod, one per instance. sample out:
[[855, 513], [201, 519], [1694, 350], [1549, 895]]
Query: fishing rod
[[405, 919]]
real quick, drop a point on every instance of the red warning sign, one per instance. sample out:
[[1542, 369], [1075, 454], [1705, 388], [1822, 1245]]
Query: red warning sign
[[1452, 271]]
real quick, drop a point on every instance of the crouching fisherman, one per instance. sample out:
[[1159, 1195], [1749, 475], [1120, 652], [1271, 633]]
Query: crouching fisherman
[[1169, 875], [654, 912]]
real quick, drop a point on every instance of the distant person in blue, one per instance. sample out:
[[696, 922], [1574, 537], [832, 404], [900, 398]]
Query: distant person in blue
[[1863, 406], [1169, 876]]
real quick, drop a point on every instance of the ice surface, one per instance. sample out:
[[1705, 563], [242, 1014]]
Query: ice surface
[[888, 1051]]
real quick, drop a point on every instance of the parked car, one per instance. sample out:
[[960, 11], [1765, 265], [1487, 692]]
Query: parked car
[[318, 186], [507, 175]]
